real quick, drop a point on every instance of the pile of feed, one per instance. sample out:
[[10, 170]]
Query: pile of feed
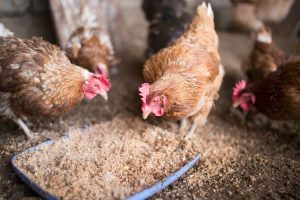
[[104, 161]]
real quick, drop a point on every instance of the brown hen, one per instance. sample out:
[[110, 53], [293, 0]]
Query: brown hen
[[183, 79], [277, 96], [90, 45], [37, 79]]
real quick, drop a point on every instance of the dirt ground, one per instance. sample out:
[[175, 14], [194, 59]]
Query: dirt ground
[[240, 161]]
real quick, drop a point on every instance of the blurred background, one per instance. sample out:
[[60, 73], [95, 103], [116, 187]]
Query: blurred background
[[33, 17], [28, 18]]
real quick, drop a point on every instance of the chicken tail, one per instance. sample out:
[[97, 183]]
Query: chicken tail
[[203, 22], [203, 26], [206, 14], [4, 32], [88, 19], [264, 35], [205, 10]]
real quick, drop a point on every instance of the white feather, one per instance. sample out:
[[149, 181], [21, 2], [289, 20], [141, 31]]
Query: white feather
[[4, 32], [86, 74], [210, 10], [264, 37]]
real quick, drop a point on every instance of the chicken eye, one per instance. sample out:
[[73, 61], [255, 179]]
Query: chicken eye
[[95, 85]]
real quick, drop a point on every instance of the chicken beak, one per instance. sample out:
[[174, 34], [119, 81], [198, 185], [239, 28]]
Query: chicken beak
[[104, 95], [146, 113]]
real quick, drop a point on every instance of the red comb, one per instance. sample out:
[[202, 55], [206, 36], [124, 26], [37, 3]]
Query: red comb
[[239, 86], [144, 90]]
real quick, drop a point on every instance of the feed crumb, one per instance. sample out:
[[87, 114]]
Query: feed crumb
[[104, 161]]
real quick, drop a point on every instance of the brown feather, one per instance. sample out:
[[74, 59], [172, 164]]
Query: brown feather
[[185, 71], [38, 77], [278, 96], [88, 47], [263, 60]]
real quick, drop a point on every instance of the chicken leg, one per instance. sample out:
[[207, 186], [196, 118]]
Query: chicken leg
[[183, 124], [190, 132], [26, 121], [201, 117], [199, 120], [24, 127]]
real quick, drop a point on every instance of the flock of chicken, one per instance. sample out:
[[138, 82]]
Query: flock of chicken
[[183, 73]]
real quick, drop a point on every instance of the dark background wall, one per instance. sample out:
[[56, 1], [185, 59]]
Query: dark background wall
[[27, 18]]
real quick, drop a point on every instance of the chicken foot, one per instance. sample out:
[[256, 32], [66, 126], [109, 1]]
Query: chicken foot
[[24, 128]]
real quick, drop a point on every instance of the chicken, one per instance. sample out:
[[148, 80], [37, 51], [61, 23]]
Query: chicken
[[183, 80], [153, 8], [265, 57], [277, 96], [90, 45], [167, 21], [37, 79], [251, 14]]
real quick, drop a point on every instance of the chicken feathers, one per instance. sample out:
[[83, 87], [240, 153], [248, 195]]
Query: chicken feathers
[[188, 73], [37, 79], [90, 46], [168, 20], [278, 96], [273, 81], [265, 57]]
